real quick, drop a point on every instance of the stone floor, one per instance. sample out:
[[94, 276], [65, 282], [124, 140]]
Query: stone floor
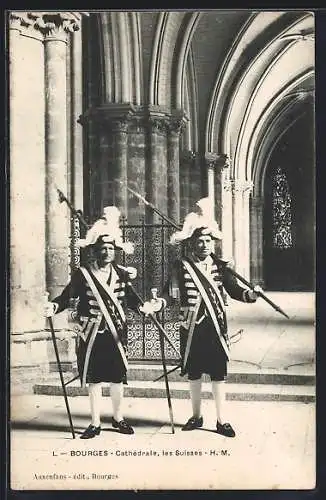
[[274, 447]]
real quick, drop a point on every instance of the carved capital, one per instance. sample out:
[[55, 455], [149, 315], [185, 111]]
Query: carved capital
[[216, 161], [238, 186], [115, 117], [227, 185], [120, 125], [178, 122], [188, 156], [49, 24], [159, 124], [138, 124]]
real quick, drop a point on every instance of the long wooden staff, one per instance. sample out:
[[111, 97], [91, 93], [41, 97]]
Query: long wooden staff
[[237, 275], [54, 340], [165, 372], [162, 333]]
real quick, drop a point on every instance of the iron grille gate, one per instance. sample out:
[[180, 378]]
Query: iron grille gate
[[152, 257]]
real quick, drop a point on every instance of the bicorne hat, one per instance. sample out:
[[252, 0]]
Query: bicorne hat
[[202, 220], [107, 230]]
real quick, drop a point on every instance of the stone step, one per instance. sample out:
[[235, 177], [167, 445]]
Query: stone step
[[238, 373], [180, 390]]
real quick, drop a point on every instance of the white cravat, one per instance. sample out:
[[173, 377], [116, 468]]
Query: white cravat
[[103, 274], [205, 266]]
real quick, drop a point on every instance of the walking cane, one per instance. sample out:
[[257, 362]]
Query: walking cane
[[162, 333], [78, 214], [54, 340], [166, 380]]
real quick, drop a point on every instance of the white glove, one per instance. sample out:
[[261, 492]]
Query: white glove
[[132, 272], [254, 294], [152, 306], [50, 309]]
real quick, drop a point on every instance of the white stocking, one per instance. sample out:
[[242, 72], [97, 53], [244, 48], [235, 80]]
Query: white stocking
[[95, 397], [218, 390], [116, 392], [195, 394]]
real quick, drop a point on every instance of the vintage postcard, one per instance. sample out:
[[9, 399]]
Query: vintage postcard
[[162, 249]]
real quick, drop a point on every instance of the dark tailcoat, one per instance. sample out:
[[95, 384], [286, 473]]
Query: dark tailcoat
[[101, 361], [206, 353]]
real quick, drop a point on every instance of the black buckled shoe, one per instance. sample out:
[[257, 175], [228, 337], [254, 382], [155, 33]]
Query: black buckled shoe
[[225, 429], [193, 423], [123, 426], [91, 432]]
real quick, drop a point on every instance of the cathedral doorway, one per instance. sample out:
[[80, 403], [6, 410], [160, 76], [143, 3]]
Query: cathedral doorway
[[289, 217]]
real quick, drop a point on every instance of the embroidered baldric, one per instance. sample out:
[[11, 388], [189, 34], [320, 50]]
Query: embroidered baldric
[[114, 318], [212, 298], [193, 315]]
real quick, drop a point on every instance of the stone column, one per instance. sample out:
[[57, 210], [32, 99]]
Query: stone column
[[120, 136], [186, 168], [210, 161], [256, 240], [247, 190], [27, 181], [215, 164], [196, 178], [77, 174], [157, 179], [111, 121], [237, 222], [240, 224], [137, 167], [56, 27], [176, 126], [227, 217]]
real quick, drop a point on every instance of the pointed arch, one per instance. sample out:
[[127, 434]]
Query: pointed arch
[[257, 45], [279, 115], [190, 105], [121, 56]]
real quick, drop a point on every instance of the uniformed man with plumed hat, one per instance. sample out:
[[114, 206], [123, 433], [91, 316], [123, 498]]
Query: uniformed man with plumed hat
[[200, 283], [101, 291]]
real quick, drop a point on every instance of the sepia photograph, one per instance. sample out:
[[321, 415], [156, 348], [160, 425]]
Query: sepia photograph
[[162, 250]]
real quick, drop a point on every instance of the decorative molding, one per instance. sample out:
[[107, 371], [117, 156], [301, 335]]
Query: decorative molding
[[120, 125], [49, 24], [113, 116], [238, 186], [187, 156], [138, 124], [216, 161], [122, 116], [74, 249], [301, 36], [177, 125], [158, 124]]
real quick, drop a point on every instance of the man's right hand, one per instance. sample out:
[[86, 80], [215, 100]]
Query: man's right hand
[[152, 306], [49, 309]]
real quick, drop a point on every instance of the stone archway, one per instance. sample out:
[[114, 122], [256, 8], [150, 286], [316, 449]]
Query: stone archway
[[288, 215]]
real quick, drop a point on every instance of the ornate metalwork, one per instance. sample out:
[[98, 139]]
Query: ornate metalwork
[[152, 258], [282, 213], [74, 249]]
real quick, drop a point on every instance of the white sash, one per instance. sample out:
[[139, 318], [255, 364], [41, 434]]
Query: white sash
[[109, 289], [208, 303], [105, 313], [194, 314]]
